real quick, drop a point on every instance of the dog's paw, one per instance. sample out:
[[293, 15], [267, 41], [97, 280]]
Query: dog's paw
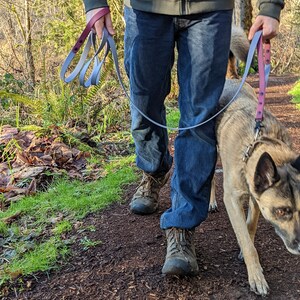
[[213, 207], [258, 283]]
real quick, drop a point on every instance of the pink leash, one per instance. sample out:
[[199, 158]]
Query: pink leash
[[264, 69]]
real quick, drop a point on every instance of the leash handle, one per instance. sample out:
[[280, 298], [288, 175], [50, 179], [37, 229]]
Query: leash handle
[[264, 69], [89, 27], [77, 46]]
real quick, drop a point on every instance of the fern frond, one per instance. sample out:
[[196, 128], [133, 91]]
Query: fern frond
[[94, 90], [34, 104]]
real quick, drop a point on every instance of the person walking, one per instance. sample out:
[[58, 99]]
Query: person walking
[[200, 30]]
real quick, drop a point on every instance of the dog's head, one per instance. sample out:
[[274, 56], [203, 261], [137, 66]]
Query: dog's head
[[277, 191]]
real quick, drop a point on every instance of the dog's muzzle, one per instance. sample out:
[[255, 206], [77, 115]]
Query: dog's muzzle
[[293, 247]]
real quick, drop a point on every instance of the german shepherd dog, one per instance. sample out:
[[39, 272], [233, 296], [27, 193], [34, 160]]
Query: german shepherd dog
[[268, 178]]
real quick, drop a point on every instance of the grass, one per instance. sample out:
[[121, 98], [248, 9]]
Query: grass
[[62, 227], [33, 229], [34, 240], [173, 116], [295, 92], [87, 243], [41, 258]]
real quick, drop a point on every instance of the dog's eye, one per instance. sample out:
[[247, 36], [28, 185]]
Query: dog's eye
[[280, 212], [283, 211]]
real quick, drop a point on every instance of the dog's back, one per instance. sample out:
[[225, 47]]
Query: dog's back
[[236, 126], [240, 115]]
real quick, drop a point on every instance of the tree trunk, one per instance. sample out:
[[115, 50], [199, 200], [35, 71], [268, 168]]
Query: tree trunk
[[28, 46]]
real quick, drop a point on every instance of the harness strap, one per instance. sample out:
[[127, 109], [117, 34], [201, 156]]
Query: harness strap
[[258, 142]]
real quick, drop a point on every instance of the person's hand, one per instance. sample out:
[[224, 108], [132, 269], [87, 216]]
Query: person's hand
[[105, 21], [268, 25]]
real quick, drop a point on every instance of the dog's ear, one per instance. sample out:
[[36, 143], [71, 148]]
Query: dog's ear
[[296, 164], [265, 174]]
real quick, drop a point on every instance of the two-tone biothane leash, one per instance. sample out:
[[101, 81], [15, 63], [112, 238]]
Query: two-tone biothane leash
[[107, 45]]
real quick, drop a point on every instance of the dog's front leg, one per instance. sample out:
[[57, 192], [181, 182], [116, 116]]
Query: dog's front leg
[[236, 214], [252, 220]]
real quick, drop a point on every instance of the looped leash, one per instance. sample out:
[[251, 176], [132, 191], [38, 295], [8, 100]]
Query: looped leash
[[107, 42], [83, 64]]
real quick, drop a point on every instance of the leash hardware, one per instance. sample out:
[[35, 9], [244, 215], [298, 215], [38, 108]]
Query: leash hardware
[[247, 153], [257, 129], [257, 132]]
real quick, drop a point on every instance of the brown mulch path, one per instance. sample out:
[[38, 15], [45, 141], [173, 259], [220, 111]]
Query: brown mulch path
[[127, 264]]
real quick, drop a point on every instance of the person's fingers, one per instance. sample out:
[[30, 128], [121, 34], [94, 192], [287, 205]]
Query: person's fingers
[[269, 26], [109, 24], [270, 29], [99, 27], [99, 24], [257, 25]]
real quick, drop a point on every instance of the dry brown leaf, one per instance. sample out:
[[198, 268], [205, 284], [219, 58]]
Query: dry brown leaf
[[9, 220], [35, 156], [29, 172]]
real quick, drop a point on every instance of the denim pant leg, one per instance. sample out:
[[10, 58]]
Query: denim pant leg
[[149, 57], [203, 49]]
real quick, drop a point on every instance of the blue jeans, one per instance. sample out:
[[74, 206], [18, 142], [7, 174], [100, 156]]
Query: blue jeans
[[202, 43]]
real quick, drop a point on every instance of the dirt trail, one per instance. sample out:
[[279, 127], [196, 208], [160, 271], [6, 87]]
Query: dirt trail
[[127, 264]]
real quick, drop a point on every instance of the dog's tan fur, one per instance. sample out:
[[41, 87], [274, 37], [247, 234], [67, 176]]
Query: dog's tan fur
[[269, 179]]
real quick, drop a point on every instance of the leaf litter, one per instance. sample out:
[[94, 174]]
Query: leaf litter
[[28, 160]]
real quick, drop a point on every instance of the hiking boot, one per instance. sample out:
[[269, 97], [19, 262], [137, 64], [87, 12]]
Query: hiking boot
[[181, 255], [145, 199]]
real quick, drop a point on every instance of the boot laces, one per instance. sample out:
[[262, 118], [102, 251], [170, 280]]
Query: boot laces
[[150, 185], [181, 240]]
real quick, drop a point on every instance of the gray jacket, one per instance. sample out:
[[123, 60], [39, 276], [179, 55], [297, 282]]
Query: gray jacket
[[269, 8]]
